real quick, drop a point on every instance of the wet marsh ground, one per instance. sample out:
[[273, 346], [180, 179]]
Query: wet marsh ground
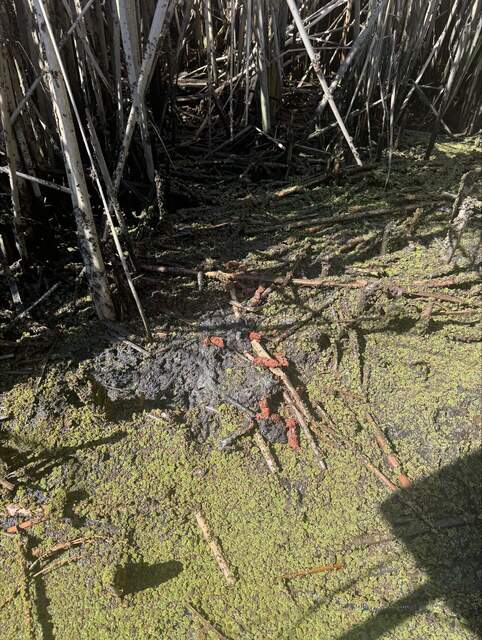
[[121, 487]]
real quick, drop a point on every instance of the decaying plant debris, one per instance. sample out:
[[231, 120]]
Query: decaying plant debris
[[240, 319], [155, 104], [257, 463]]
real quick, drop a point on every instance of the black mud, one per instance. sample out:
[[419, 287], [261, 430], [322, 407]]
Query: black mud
[[187, 373]]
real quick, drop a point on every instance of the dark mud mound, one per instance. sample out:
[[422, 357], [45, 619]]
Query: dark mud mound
[[194, 373]]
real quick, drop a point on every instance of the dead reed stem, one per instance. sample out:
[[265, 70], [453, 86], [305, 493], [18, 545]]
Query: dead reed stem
[[215, 549]]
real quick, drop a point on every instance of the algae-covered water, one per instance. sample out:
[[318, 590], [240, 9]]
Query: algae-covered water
[[128, 485]]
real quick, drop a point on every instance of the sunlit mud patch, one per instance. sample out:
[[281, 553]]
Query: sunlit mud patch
[[195, 373]]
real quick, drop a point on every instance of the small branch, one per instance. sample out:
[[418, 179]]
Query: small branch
[[6, 484], [215, 549], [205, 623], [279, 373], [266, 453], [35, 304], [334, 566], [337, 441], [258, 438], [306, 431], [229, 440], [382, 442], [44, 183]]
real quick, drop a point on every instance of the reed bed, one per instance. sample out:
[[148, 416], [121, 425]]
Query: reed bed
[[98, 92]]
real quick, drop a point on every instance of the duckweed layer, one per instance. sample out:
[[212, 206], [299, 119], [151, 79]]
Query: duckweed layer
[[130, 490]]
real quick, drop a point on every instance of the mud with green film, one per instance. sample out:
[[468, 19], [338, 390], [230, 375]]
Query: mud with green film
[[381, 338]]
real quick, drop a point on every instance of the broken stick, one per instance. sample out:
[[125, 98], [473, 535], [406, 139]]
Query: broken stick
[[6, 484], [303, 414], [306, 431], [265, 452], [228, 441], [215, 549], [382, 442], [35, 304], [258, 438], [279, 373], [334, 566], [205, 623]]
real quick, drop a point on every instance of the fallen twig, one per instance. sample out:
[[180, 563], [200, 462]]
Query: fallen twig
[[404, 494], [205, 623], [380, 538], [118, 335], [258, 438], [229, 440], [396, 287], [301, 323], [314, 224], [449, 281], [215, 549], [6, 484], [337, 441], [262, 293], [303, 414], [226, 277], [61, 546], [56, 565], [380, 438], [419, 293], [35, 304], [265, 452], [277, 371], [334, 566], [306, 431]]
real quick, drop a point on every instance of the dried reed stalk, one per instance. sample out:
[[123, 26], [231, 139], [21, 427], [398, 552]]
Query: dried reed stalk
[[215, 549]]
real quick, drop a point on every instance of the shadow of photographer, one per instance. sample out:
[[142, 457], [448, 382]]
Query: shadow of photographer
[[450, 557]]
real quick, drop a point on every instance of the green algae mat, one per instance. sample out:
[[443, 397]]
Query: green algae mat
[[110, 545]]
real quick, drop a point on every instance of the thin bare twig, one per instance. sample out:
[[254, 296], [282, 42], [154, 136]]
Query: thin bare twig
[[215, 549]]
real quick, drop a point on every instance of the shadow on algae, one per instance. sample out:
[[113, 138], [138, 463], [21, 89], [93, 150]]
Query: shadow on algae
[[137, 577], [451, 558]]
